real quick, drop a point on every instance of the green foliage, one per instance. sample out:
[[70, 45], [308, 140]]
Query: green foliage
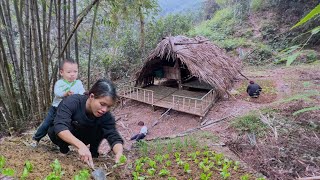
[[143, 147], [250, 123], [288, 55], [315, 108], [245, 177], [205, 176], [8, 172], [57, 172], [256, 4], [2, 162], [82, 175], [151, 171], [304, 96], [26, 170], [171, 25], [309, 16], [164, 172], [123, 159], [5, 171], [186, 168]]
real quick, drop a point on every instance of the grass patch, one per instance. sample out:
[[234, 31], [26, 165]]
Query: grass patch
[[305, 96], [250, 123], [315, 108], [268, 86]]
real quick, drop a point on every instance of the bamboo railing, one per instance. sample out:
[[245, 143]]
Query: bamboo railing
[[138, 94], [194, 105], [208, 100]]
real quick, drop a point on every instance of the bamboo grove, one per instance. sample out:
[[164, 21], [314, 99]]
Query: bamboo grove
[[35, 36]]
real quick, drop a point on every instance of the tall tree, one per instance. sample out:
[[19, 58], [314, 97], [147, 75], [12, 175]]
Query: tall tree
[[76, 48], [90, 44]]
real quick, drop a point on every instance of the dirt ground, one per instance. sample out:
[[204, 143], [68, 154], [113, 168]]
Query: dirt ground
[[284, 158]]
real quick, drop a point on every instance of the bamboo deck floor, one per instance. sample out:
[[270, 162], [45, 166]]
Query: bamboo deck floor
[[162, 97]]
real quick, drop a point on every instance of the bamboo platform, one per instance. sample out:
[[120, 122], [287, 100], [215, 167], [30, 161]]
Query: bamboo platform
[[192, 102]]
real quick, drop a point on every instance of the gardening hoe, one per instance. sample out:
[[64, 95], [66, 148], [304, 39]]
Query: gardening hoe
[[97, 173]]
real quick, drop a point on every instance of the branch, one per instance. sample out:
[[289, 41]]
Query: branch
[[75, 27]]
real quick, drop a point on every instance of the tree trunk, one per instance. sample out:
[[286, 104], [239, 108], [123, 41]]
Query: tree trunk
[[59, 31], [65, 25], [45, 64], [142, 34], [68, 28], [76, 49], [6, 21], [8, 85], [90, 45], [4, 115], [81, 16], [19, 15], [29, 69], [38, 93]]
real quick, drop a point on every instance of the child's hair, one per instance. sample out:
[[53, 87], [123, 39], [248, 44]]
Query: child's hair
[[140, 123], [71, 61], [102, 88], [251, 82]]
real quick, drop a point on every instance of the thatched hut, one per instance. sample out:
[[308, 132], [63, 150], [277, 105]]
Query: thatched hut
[[194, 63], [191, 57]]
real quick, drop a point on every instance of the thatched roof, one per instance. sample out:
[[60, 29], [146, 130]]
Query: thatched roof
[[204, 60]]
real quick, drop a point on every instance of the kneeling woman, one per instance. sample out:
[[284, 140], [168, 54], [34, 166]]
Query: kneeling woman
[[85, 119]]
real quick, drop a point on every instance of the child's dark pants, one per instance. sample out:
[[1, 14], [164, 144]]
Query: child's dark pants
[[138, 137]]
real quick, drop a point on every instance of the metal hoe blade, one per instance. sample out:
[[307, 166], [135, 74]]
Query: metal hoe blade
[[99, 174]]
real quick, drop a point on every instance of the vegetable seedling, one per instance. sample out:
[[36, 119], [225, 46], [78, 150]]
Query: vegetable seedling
[[164, 172], [26, 170]]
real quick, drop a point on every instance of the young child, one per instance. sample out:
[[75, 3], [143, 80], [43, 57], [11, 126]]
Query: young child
[[64, 87], [142, 134]]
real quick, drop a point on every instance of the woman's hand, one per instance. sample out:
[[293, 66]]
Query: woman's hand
[[118, 150], [117, 157], [85, 156]]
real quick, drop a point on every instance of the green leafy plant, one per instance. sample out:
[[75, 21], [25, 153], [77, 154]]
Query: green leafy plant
[[164, 172], [8, 172], [245, 177], [139, 168], [168, 163], [135, 175], [236, 165], [122, 160], [151, 171], [56, 173], [159, 158], [177, 155], [172, 178], [2, 162], [180, 162], [225, 174], [186, 168], [309, 16], [166, 156], [193, 155], [152, 164], [26, 170], [82, 175], [218, 158], [204, 176]]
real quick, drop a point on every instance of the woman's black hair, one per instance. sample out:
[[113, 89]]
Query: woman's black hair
[[102, 88]]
